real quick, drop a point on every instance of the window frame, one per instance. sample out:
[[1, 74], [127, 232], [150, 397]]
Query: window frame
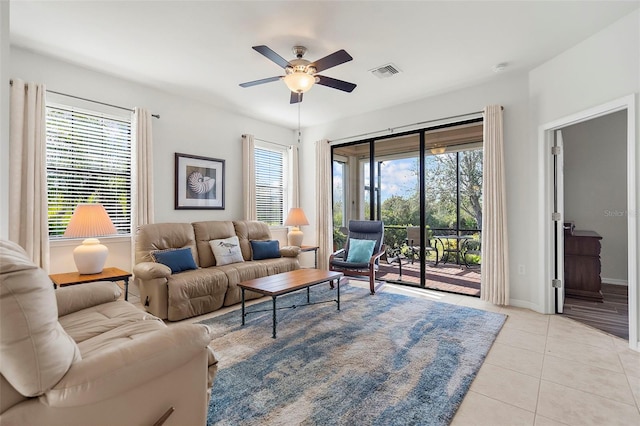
[[124, 225], [283, 151]]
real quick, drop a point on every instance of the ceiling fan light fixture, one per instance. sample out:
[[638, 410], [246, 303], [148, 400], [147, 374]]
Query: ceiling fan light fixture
[[299, 82], [438, 150]]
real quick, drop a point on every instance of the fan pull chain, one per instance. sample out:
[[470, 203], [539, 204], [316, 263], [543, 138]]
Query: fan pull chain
[[299, 102]]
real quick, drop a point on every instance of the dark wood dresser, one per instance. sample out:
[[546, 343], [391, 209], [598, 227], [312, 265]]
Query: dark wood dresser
[[582, 265]]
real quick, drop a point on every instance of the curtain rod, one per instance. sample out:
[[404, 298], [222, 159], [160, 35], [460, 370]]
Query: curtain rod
[[272, 143], [393, 129], [91, 100]]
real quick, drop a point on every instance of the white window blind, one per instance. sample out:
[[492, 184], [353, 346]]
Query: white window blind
[[88, 161], [270, 187]]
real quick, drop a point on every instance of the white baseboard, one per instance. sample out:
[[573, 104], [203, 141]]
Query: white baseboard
[[527, 305], [614, 281]]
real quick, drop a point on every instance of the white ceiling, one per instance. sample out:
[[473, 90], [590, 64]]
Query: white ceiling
[[202, 49]]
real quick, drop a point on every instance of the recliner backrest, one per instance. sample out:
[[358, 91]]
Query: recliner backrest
[[35, 351], [366, 230]]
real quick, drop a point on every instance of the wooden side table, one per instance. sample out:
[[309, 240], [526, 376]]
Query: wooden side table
[[314, 249], [107, 274]]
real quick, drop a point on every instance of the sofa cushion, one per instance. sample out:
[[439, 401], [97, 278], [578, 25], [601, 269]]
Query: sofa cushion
[[226, 250], [207, 231], [269, 249], [196, 292], [91, 322], [248, 230], [35, 350], [163, 236], [177, 259], [239, 272]]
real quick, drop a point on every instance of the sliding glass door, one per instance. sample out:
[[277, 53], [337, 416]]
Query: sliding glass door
[[426, 186]]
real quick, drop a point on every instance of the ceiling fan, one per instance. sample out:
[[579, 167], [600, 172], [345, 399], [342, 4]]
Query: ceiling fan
[[300, 74]]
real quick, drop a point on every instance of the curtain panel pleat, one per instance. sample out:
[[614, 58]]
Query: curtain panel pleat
[[495, 251], [249, 177], [28, 225], [324, 215], [142, 206]]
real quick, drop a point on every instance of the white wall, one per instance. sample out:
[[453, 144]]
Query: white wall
[[602, 68], [4, 119], [511, 92], [185, 126], [595, 186]]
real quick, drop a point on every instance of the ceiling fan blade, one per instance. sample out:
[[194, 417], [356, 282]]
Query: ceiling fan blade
[[336, 58], [264, 80], [295, 98], [270, 54], [334, 83]]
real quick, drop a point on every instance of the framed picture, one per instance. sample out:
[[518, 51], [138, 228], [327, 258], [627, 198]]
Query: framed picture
[[199, 182]]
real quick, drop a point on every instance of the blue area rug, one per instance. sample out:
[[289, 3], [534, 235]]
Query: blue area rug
[[386, 359]]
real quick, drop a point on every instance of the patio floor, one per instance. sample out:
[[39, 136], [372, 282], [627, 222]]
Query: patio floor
[[444, 277]]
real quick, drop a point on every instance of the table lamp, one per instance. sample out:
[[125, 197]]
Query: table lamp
[[295, 219], [90, 220]]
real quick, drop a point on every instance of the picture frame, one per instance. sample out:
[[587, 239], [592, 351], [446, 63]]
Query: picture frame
[[199, 182]]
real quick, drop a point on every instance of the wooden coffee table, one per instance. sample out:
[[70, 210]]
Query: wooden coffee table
[[287, 282]]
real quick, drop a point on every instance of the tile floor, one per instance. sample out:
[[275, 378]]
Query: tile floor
[[542, 370]]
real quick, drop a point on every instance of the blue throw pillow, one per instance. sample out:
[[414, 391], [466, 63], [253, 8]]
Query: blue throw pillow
[[177, 259], [269, 249], [360, 251]]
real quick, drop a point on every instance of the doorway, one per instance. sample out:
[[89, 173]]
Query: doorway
[[595, 222], [593, 239]]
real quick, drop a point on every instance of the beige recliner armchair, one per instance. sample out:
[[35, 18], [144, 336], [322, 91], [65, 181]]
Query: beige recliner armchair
[[79, 356]]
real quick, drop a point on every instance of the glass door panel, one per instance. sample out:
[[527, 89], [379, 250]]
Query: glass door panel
[[397, 204]]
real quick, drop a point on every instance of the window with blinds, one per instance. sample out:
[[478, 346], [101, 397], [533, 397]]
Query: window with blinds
[[88, 161], [270, 185]]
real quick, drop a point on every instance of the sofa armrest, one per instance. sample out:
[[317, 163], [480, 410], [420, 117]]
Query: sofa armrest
[[289, 251], [129, 365], [75, 298], [150, 270]]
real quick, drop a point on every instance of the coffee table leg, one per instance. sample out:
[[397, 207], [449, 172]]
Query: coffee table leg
[[126, 289], [243, 306], [338, 293], [274, 317], [308, 299]]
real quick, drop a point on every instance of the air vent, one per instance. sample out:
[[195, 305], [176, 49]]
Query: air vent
[[385, 71]]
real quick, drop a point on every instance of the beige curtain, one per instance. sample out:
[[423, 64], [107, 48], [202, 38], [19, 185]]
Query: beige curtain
[[495, 251], [294, 178], [142, 204], [249, 177], [324, 217], [143, 164], [28, 224]]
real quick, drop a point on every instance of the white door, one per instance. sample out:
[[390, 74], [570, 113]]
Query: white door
[[558, 222]]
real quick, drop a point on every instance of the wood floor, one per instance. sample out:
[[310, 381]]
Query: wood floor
[[611, 316]]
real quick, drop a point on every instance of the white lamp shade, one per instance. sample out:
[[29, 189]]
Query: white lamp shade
[[299, 82], [90, 220], [296, 217]]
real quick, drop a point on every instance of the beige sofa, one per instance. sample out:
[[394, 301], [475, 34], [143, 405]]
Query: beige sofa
[[80, 356], [210, 286]]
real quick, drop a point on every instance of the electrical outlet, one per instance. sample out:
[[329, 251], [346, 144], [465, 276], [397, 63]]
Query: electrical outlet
[[521, 270]]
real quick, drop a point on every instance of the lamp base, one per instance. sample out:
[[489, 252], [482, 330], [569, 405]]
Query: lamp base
[[90, 256], [295, 236]]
